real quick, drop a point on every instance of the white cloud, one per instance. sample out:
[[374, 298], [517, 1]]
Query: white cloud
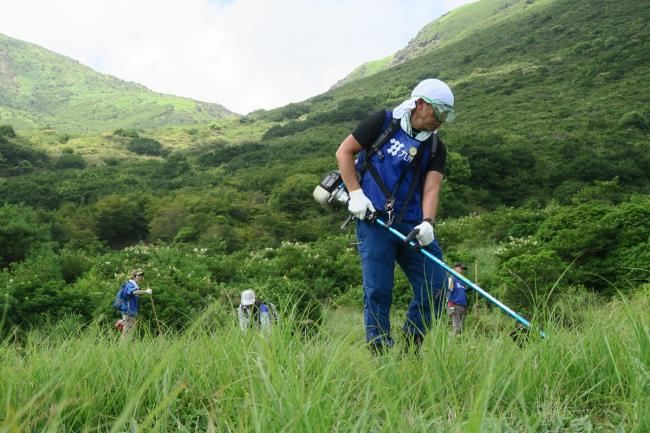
[[244, 54]]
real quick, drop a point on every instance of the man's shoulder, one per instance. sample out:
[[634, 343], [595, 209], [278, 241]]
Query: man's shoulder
[[438, 141], [130, 286]]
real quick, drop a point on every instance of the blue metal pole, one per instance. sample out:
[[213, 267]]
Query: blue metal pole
[[445, 266]]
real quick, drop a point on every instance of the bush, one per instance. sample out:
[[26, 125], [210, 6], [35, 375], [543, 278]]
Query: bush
[[7, 131], [529, 278], [70, 160], [146, 146], [20, 233], [74, 264], [120, 220], [633, 119], [130, 133], [41, 294], [294, 195]]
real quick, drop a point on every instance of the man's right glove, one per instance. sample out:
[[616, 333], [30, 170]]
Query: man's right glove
[[359, 204], [425, 234], [149, 291]]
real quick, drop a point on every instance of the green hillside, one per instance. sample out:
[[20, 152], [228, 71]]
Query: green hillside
[[458, 24], [546, 198], [547, 172], [39, 88]]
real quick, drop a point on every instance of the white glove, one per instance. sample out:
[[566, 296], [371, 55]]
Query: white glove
[[148, 291], [359, 204], [425, 236]]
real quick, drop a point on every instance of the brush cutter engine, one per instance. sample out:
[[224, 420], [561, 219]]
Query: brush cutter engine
[[331, 192]]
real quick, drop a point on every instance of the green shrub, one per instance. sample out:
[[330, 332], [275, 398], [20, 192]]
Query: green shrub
[[634, 119], [70, 161], [74, 264], [21, 233], [294, 195], [7, 131], [146, 146], [130, 133], [121, 220], [41, 294]]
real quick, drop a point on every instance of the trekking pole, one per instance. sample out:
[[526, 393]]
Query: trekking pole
[[409, 240], [153, 307]]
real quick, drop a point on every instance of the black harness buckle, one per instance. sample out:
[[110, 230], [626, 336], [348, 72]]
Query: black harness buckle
[[390, 210]]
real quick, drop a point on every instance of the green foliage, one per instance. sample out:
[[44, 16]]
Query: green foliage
[[293, 195], [602, 247], [345, 111], [21, 233], [129, 133], [288, 112], [39, 294], [74, 264], [146, 146], [121, 220], [7, 131], [530, 276], [18, 158], [175, 165], [634, 119], [69, 160]]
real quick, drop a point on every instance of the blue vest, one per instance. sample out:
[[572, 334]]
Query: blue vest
[[392, 158], [458, 293]]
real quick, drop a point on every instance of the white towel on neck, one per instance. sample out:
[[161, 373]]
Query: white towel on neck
[[403, 112]]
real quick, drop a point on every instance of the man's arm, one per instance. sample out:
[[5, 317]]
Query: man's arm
[[345, 159], [432, 184]]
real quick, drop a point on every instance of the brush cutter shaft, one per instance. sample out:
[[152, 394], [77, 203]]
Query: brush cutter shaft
[[448, 268]]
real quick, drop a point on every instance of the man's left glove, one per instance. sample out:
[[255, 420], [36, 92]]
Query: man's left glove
[[425, 234], [149, 291]]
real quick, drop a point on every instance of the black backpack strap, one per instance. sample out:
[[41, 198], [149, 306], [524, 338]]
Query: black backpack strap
[[379, 142], [366, 165]]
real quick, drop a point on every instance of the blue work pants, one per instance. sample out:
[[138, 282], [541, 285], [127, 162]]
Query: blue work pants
[[379, 250]]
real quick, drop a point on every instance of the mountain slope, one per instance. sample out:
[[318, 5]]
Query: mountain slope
[[549, 100], [453, 26], [40, 88]]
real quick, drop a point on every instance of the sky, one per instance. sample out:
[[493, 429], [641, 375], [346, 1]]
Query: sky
[[243, 54]]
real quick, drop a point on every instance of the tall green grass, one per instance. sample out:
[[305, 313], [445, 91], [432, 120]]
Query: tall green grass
[[591, 377]]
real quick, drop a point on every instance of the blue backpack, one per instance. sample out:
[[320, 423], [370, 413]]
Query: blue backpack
[[120, 301]]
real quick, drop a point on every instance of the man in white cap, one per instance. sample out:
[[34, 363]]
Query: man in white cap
[[398, 176], [254, 313]]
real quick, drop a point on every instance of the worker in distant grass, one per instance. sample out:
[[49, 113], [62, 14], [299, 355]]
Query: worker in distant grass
[[127, 302], [457, 298], [255, 314], [397, 176]]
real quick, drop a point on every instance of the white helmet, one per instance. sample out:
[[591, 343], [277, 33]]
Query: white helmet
[[247, 297]]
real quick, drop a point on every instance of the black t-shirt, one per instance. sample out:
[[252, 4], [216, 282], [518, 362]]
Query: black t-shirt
[[368, 131]]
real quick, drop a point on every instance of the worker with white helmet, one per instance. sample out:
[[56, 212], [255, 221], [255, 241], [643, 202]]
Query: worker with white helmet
[[256, 314], [398, 175]]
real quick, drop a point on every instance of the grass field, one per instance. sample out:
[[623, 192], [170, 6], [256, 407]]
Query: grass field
[[592, 377]]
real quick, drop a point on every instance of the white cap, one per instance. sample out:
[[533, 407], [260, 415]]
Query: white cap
[[434, 89], [247, 297], [430, 89]]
